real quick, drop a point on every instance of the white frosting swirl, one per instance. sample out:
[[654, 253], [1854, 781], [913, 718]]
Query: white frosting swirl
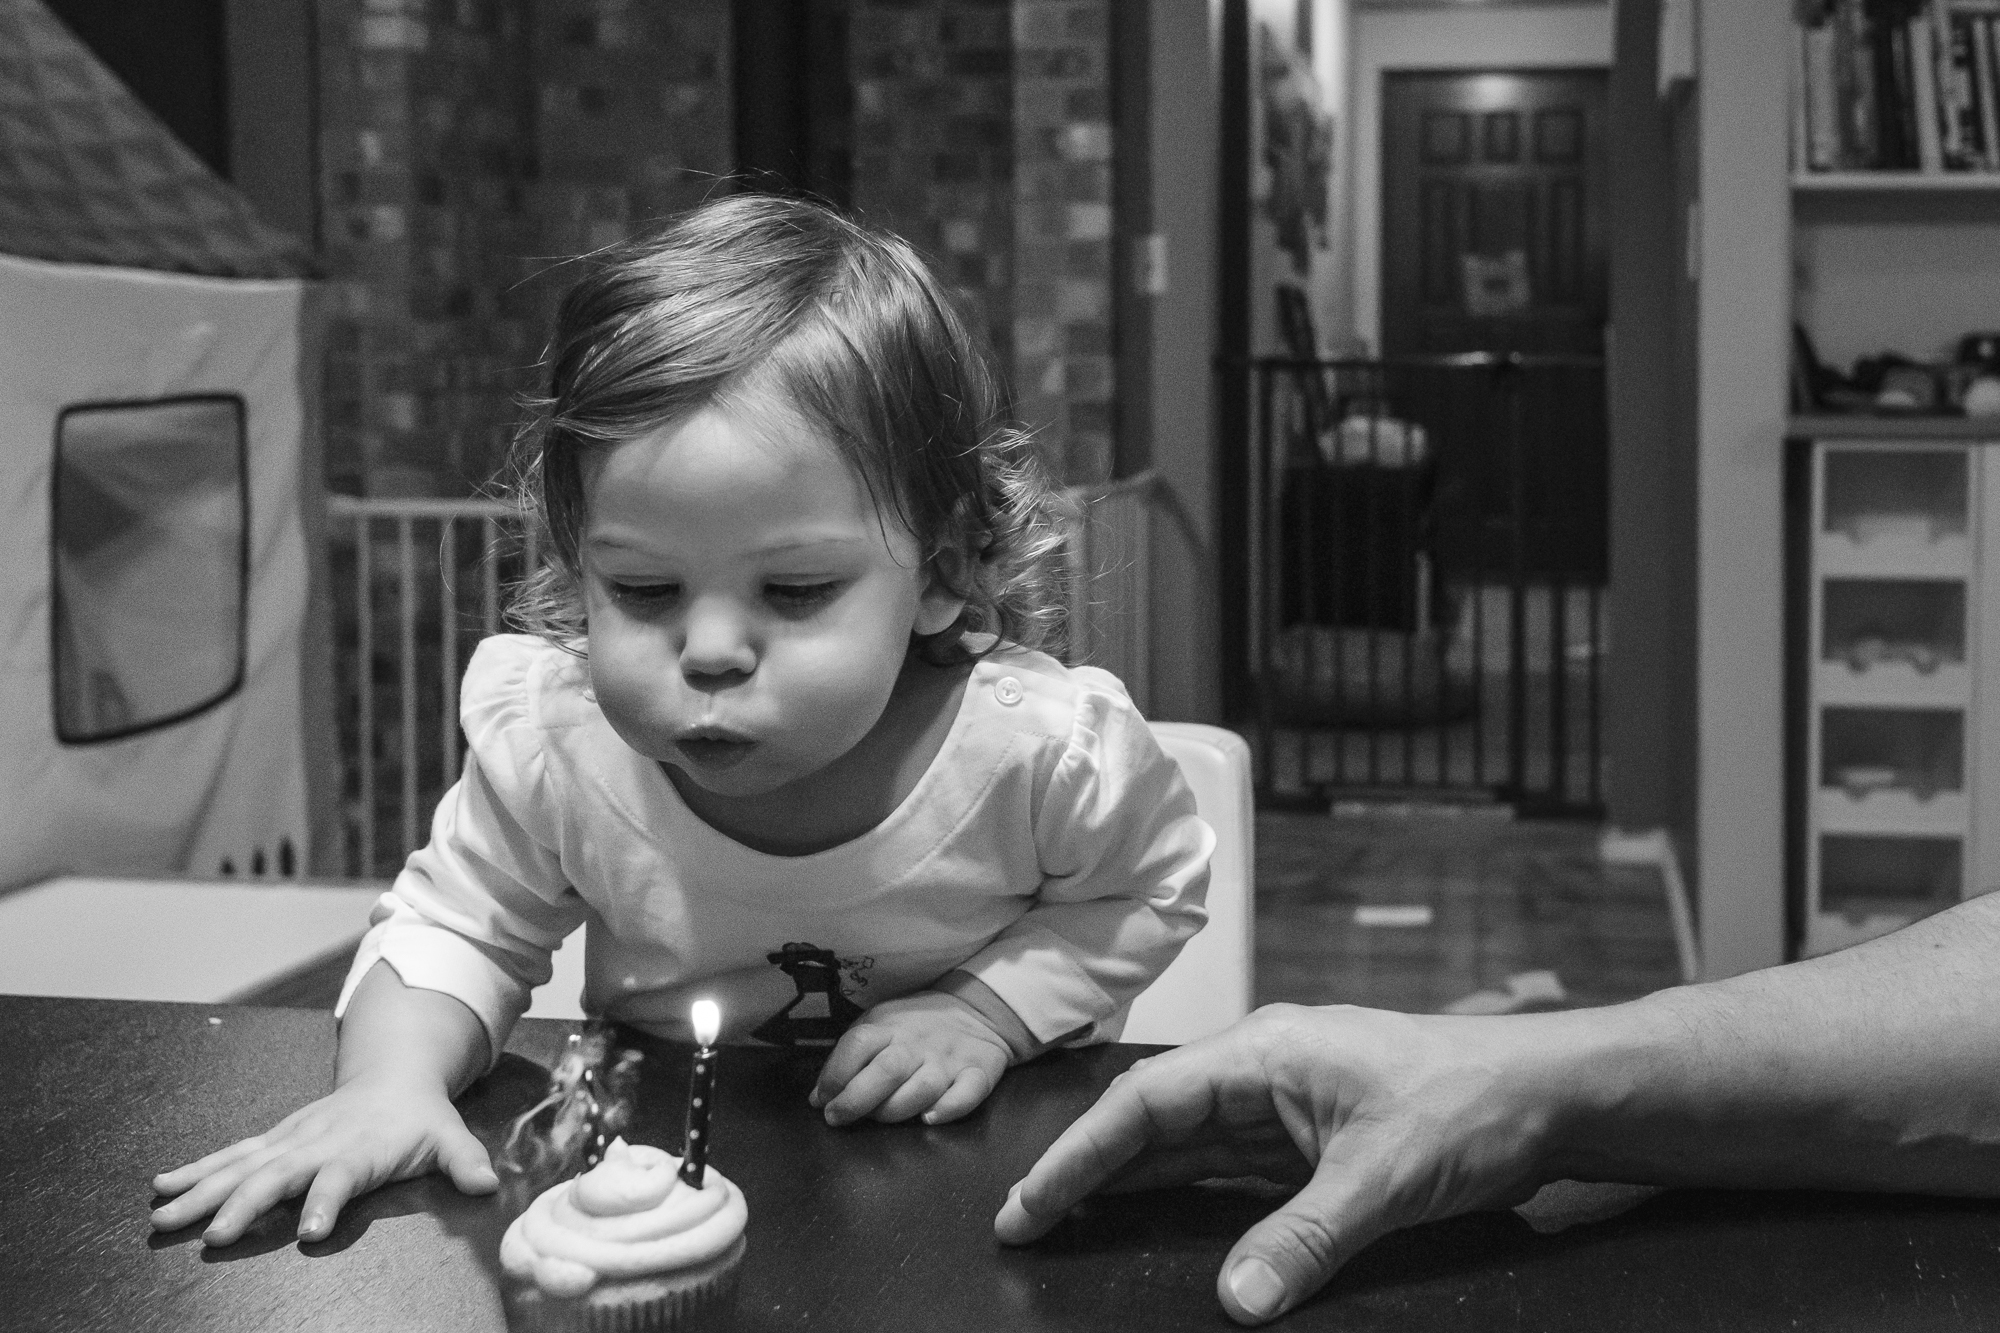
[[629, 1216]]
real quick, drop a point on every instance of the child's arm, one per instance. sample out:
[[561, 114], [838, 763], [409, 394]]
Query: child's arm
[[1125, 862], [931, 1054], [404, 1053], [1125, 859]]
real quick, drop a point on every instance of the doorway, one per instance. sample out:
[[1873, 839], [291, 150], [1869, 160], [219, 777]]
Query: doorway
[[1494, 241], [1429, 526]]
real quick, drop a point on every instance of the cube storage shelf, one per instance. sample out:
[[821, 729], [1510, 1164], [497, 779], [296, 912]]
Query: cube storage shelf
[[1902, 641]]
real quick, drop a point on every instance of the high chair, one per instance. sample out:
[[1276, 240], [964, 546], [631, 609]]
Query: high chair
[[1209, 986]]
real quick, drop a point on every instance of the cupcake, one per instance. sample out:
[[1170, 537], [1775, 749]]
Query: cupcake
[[627, 1245]]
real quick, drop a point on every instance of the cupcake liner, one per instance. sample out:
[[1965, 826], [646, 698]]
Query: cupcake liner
[[693, 1300]]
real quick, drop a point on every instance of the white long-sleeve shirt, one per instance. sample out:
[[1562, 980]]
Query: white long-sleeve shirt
[[1051, 851]]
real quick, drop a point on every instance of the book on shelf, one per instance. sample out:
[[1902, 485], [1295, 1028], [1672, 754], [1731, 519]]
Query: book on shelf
[[1896, 85]]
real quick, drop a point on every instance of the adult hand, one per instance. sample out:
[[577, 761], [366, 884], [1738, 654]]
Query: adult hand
[[363, 1134], [926, 1054], [1385, 1120]]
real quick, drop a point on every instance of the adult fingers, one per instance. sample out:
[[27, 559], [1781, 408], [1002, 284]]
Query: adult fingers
[[920, 1092], [869, 1088], [967, 1091], [1163, 1104], [1292, 1253], [1163, 1167], [1087, 1154], [857, 1047]]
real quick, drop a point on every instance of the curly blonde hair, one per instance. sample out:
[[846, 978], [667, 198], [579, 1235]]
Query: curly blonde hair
[[755, 294]]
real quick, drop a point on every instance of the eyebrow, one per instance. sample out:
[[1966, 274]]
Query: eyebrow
[[612, 543]]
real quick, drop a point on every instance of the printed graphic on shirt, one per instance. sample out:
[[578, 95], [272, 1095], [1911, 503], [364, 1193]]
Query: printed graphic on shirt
[[821, 1010]]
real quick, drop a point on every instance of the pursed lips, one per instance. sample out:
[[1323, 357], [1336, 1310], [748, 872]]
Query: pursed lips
[[713, 747]]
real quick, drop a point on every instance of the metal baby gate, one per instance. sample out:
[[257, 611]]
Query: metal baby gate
[[1424, 568]]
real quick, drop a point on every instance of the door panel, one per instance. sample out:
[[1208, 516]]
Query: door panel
[[1493, 212], [1494, 241]]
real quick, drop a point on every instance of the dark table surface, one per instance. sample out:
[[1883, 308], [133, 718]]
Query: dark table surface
[[870, 1228]]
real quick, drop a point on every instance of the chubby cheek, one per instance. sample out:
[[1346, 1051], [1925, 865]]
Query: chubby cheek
[[832, 692], [634, 694]]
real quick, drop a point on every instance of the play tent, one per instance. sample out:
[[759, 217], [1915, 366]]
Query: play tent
[[152, 438]]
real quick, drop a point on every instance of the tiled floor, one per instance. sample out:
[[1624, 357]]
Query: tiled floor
[[1505, 897]]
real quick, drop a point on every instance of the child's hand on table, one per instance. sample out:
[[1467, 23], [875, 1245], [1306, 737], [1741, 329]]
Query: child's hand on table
[[363, 1134], [927, 1054], [389, 1117]]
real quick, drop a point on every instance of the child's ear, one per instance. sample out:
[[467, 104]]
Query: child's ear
[[942, 602]]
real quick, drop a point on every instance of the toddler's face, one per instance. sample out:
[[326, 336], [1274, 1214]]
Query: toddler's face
[[749, 610]]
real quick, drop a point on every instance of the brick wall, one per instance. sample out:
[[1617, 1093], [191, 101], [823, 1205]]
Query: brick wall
[[634, 120], [983, 134], [428, 161], [1062, 343], [464, 143], [467, 143], [933, 136]]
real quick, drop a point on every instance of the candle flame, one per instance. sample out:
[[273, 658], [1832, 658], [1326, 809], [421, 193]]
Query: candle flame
[[706, 1016]]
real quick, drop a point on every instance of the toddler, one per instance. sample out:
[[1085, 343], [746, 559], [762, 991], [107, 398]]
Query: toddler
[[782, 735]]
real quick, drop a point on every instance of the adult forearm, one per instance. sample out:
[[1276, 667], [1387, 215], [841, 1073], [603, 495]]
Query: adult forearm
[[1876, 1068], [399, 1032]]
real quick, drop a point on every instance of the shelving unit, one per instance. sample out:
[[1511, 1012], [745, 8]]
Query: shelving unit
[[1888, 182], [1902, 646], [1893, 574], [1894, 522]]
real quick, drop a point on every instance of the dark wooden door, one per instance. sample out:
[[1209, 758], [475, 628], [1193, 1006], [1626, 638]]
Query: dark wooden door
[[1493, 240], [1493, 230]]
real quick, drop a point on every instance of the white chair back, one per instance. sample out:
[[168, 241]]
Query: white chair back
[[1209, 986]]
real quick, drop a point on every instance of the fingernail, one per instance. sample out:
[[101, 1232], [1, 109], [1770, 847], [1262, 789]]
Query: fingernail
[[311, 1225], [1257, 1288], [814, 1100]]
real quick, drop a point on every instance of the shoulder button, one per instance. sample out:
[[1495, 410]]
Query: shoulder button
[[1007, 690]]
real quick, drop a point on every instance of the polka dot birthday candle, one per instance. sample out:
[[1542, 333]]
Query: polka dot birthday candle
[[706, 1018]]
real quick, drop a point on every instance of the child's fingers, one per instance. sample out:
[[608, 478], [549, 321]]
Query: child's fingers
[[868, 1089], [208, 1193], [331, 1189], [280, 1178], [182, 1177], [853, 1053], [966, 1092], [918, 1094], [464, 1158]]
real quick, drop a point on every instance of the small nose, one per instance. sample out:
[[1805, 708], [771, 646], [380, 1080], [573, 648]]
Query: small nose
[[716, 644]]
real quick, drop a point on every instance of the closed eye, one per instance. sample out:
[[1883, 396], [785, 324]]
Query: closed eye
[[644, 594], [801, 596]]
